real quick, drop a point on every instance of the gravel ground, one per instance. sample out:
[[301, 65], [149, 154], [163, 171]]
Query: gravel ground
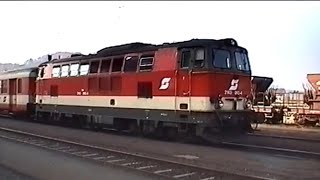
[[44, 164], [9, 174], [248, 163], [308, 133], [290, 127]]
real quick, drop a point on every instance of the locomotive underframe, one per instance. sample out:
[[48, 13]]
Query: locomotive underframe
[[164, 122]]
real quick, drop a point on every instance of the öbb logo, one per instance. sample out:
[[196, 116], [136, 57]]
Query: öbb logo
[[234, 85], [233, 89], [165, 83]]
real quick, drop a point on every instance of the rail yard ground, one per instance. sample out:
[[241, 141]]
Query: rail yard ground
[[10, 174], [284, 127], [289, 130], [261, 164], [35, 163]]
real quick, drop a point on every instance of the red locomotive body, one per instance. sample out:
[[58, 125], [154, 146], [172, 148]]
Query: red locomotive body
[[194, 86], [17, 89]]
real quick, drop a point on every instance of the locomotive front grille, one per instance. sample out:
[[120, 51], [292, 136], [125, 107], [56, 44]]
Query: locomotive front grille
[[233, 104]]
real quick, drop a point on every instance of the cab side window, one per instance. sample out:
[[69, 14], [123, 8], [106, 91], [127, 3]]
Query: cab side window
[[41, 72], [56, 71], [74, 69], [131, 63], [94, 66], [84, 69], [117, 64], [199, 58], [185, 59], [146, 63], [105, 66], [65, 70]]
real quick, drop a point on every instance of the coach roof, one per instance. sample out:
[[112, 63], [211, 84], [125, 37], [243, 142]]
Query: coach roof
[[18, 73]]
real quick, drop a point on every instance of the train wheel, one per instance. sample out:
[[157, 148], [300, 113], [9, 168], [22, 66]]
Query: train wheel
[[144, 129], [133, 128], [171, 133], [76, 121], [159, 134], [212, 135]]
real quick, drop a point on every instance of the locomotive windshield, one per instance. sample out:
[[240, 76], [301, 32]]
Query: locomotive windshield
[[242, 61], [227, 59], [221, 58]]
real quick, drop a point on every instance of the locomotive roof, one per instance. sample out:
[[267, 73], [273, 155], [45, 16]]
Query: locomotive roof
[[143, 47]]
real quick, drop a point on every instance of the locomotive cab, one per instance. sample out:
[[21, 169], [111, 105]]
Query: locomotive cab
[[216, 76]]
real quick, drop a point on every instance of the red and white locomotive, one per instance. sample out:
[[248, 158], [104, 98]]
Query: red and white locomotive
[[196, 87]]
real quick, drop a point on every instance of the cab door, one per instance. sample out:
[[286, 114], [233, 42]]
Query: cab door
[[183, 96]]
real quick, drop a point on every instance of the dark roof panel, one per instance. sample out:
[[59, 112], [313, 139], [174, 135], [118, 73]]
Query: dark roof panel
[[142, 47]]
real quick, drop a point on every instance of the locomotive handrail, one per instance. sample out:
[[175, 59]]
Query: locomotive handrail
[[175, 90], [190, 88]]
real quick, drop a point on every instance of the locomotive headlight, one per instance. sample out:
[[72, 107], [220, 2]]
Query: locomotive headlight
[[248, 104], [220, 104], [232, 42], [217, 102]]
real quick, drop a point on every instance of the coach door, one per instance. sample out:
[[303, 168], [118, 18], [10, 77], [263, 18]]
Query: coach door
[[12, 94], [184, 80]]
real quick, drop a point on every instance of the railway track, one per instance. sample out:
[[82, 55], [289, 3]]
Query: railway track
[[159, 167], [292, 146], [286, 138], [257, 143]]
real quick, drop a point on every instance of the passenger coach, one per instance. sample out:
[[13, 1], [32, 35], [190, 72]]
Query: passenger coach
[[17, 92]]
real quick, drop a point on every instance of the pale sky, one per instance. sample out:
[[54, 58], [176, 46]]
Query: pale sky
[[282, 38]]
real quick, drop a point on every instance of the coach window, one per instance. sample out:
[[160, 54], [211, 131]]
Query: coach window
[[94, 66], [0, 86], [105, 66], [19, 85], [117, 64], [185, 59], [130, 64], [4, 86], [199, 58], [56, 71], [146, 63], [65, 71], [84, 69], [74, 69]]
